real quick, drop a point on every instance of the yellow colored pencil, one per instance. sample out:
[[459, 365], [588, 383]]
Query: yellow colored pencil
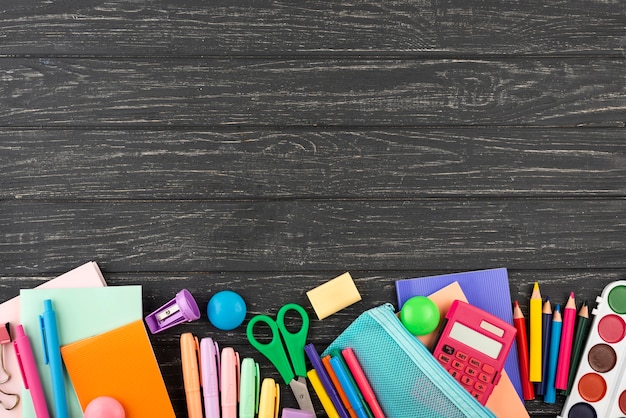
[[536, 319]]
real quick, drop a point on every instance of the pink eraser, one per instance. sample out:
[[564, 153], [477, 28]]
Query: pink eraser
[[333, 295], [105, 407]]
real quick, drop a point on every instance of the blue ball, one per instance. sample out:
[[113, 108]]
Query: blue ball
[[226, 310]]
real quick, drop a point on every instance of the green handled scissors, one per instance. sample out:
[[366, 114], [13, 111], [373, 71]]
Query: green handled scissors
[[275, 351]]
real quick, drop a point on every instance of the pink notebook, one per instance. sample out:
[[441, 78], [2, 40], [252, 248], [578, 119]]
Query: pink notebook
[[87, 275]]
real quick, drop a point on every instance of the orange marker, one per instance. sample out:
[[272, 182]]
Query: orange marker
[[342, 394], [521, 338]]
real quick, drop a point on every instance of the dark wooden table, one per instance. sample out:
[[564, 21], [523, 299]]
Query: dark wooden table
[[268, 146]]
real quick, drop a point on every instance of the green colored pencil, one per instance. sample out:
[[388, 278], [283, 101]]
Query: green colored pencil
[[580, 336]]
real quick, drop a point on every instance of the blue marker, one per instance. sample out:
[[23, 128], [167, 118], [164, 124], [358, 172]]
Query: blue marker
[[348, 388], [52, 356], [555, 338]]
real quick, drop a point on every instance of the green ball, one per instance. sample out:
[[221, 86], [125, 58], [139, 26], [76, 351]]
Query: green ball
[[420, 315]]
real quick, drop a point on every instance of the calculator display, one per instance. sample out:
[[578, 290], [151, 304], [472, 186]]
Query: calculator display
[[475, 339]]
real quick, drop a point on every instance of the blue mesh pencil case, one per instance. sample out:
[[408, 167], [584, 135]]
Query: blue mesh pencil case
[[407, 379]]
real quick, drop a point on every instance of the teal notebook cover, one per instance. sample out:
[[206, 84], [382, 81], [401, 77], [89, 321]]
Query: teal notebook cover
[[486, 289], [81, 313]]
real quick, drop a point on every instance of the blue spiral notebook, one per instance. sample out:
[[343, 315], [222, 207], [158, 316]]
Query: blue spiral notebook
[[485, 289]]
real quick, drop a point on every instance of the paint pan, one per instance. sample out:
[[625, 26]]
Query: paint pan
[[600, 385]]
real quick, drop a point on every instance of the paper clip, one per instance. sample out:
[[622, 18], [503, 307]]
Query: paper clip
[[5, 338], [183, 308]]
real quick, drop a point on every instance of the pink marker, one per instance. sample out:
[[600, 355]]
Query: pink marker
[[565, 348], [229, 382], [28, 369], [362, 382]]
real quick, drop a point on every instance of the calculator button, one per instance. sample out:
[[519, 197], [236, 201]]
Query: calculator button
[[477, 396], [485, 378], [448, 349], [454, 373], [488, 369], [474, 362], [467, 381], [480, 386], [471, 371], [461, 356], [458, 365], [444, 358]]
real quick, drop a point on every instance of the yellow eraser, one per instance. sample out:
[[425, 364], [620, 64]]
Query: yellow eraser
[[333, 295]]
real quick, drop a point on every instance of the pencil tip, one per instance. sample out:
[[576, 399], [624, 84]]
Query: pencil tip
[[536, 286], [557, 307], [515, 304], [571, 295]]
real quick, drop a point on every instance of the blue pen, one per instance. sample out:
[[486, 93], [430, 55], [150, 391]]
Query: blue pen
[[52, 357], [348, 388]]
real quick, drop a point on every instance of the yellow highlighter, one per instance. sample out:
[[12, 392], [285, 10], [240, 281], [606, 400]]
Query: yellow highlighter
[[536, 320], [327, 404], [269, 401]]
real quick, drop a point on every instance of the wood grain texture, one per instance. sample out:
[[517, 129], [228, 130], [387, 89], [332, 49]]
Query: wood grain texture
[[289, 235], [272, 163], [269, 146], [327, 92], [263, 27]]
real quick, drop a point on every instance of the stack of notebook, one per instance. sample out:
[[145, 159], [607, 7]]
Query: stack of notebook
[[488, 290], [105, 347]]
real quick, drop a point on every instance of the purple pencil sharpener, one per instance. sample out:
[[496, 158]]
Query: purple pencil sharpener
[[183, 308]]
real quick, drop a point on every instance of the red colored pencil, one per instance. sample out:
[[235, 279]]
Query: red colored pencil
[[528, 391], [565, 348]]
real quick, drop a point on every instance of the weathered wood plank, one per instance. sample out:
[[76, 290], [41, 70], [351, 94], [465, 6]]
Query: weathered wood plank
[[244, 27], [376, 287], [326, 92], [306, 163], [288, 235]]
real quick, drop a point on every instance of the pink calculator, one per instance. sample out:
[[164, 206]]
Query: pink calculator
[[472, 346]]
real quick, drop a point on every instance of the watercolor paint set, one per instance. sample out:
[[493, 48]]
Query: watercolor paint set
[[600, 385]]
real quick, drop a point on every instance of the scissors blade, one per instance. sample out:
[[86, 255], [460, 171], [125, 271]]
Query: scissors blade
[[300, 391]]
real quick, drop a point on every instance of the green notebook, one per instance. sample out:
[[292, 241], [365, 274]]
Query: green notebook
[[81, 313]]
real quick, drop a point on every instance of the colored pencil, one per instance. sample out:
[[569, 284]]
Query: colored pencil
[[540, 387], [535, 370], [528, 392], [555, 338], [565, 348], [580, 336]]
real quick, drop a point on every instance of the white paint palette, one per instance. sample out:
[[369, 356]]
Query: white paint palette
[[599, 389]]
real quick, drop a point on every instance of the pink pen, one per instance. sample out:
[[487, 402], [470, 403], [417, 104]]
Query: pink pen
[[362, 383], [28, 369], [209, 361], [229, 382]]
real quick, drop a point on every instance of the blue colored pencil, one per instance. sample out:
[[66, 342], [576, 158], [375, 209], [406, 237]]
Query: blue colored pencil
[[555, 339]]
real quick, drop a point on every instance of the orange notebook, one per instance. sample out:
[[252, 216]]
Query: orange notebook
[[121, 364]]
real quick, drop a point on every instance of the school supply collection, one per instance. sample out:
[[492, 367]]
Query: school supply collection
[[460, 348]]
